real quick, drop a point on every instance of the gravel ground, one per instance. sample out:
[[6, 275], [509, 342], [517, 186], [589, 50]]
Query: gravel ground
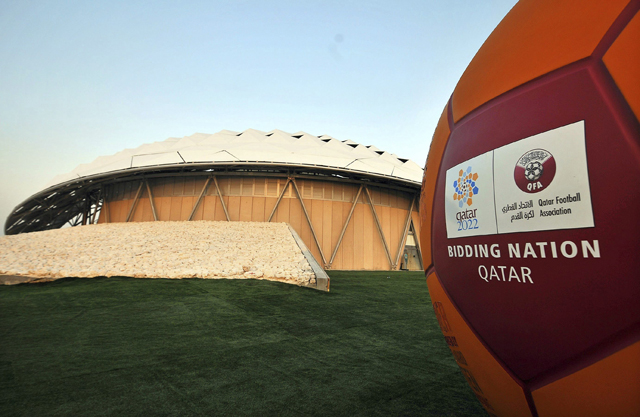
[[197, 249]]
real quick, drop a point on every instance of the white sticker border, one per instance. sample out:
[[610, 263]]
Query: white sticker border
[[498, 232]]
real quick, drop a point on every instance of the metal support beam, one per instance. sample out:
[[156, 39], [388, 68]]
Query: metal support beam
[[97, 211], [344, 228], [153, 206], [68, 200], [105, 207], [405, 232], [21, 220], [32, 217], [95, 208], [52, 217], [416, 238], [224, 206], [306, 214], [22, 216], [195, 206], [380, 232], [279, 198], [26, 224], [135, 202], [76, 221], [61, 210], [92, 201], [86, 209], [392, 184]]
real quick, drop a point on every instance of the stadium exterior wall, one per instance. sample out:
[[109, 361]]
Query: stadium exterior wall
[[329, 205]]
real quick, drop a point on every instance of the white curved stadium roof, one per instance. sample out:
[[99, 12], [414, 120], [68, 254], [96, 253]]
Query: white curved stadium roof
[[253, 146]]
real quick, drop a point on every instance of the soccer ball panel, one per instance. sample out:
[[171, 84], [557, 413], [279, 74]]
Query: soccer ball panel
[[623, 62], [438, 144], [533, 231], [562, 306], [609, 388], [496, 390], [536, 37]]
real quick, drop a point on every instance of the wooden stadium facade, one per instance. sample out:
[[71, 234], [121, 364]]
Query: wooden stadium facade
[[354, 206], [347, 224]]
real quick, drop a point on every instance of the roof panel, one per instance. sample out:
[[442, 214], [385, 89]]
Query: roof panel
[[276, 146], [114, 165], [376, 165], [203, 154], [161, 158], [367, 165], [408, 174]]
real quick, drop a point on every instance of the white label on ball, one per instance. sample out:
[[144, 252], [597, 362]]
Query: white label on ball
[[542, 182], [469, 203], [539, 183]]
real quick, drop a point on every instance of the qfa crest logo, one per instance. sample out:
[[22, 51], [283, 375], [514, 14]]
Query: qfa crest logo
[[535, 170], [465, 187]]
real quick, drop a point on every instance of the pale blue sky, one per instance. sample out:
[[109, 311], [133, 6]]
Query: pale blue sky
[[80, 79]]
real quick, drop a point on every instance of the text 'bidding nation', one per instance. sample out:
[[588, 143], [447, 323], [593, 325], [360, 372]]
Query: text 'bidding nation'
[[523, 274]]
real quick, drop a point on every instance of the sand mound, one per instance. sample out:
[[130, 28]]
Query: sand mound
[[197, 249]]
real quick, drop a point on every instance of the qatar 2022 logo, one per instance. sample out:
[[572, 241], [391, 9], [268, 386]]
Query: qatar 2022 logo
[[465, 187], [535, 170]]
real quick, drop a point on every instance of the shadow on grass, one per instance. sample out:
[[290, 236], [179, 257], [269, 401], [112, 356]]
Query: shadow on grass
[[123, 346]]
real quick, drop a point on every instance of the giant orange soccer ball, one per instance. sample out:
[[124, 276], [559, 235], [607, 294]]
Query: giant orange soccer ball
[[531, 213]]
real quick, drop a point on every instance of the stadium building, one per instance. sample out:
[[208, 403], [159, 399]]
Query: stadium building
[[354, 206]]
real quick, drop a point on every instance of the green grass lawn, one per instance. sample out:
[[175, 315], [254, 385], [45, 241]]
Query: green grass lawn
[[123, 346]]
